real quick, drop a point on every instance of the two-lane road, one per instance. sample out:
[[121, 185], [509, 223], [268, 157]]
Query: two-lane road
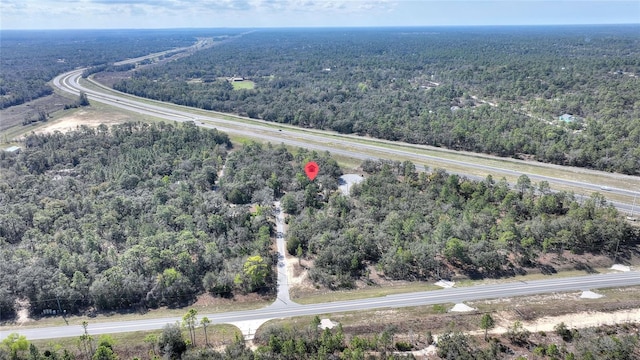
[[451, 295], [357, 146]]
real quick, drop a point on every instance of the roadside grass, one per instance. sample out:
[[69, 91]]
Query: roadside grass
[[316, 297], [308, 296], [243, 85], [438, 319], [348, 164], [121, 341], [139, 344], [9, 135], [621, 294], [367, 322], [532, 276], [411, 150], [203, 310], [412, 323]]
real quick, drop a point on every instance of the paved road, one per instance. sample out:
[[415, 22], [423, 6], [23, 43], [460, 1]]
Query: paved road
[[282, 299], [347, 145], [452, 295]]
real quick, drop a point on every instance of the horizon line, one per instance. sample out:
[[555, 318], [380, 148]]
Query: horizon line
[[324, 27]]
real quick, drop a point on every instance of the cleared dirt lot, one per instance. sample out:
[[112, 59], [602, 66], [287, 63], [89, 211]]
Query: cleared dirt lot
[[85, 116], [15, 115]]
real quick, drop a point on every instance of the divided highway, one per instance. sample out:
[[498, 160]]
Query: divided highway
[[361, 147], [354, 147]]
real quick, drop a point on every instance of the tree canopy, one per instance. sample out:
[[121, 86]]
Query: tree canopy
[[498, 90], [431, 225]]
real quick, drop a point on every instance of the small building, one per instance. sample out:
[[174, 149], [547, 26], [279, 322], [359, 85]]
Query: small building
[[567, 118], [13, 149]]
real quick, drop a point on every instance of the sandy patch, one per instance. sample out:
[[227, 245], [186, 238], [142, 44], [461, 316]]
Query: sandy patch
[[461, 308], [248, 327], [23, 311], [445, 284], [620, 267], [585, 319], [327, 324], [590, 295], [579, 320], [429, 351], [88, 117], [23, 316], [296, 269], [296, 277], [347, 180]]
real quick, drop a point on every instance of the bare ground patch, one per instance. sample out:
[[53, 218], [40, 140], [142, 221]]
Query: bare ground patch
[[15, 115], [85, 116], [209, 301]]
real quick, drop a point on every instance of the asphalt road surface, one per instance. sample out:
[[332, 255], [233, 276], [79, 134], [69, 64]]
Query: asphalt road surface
[[451, 295], [346, 145], [282, 297]]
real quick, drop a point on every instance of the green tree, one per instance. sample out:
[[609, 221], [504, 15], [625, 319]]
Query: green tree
[[189, 320], [289, 204], [455, 250], [455, 346], [299, 253], [152, 340], [523, 185], [486, 323], [104, 352], [86, 340], [563, 331], [34, 353], [205, 322], [171, 343], [15, 344], [83, 100], [517, 334], [256, 270]]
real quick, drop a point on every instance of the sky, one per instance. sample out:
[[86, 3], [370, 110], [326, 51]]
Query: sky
[[144, 14]]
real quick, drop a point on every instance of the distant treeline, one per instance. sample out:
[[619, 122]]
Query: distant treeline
[[30, 59]]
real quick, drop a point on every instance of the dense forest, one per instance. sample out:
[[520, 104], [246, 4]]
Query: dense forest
[[419, 226], [498, 90], [119, 218], [30, 59], [135, 217], [299, 342]]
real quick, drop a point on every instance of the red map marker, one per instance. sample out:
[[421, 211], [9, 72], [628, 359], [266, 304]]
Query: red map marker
[[311, 169]]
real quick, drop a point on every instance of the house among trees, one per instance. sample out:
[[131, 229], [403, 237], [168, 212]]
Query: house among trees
[[235, 78], [13, 149], [567, 118]]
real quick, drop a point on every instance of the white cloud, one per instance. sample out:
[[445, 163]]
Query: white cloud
[[43, 14], [187, 13]]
